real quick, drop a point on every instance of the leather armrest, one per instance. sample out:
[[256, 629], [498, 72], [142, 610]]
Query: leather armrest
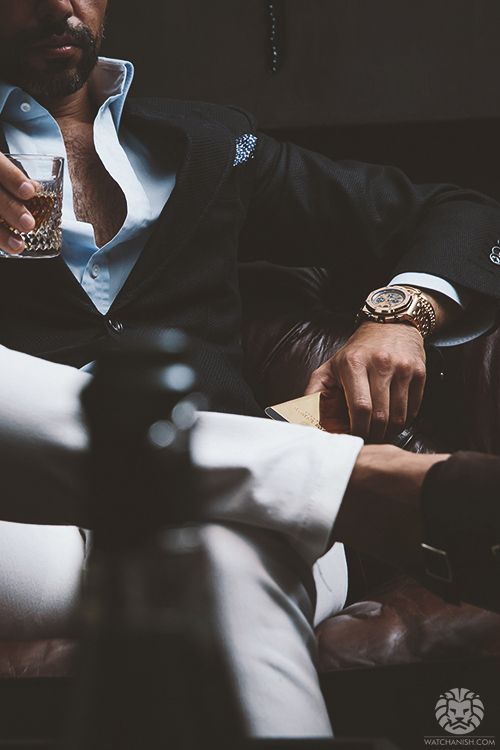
[[403, 623]]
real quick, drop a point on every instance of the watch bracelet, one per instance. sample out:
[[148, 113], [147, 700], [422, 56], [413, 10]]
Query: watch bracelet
[[424, 316]]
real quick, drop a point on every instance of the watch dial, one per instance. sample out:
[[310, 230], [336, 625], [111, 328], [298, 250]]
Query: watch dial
[[386, 299]]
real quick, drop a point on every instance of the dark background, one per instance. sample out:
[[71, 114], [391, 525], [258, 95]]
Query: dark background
[[407, 82]]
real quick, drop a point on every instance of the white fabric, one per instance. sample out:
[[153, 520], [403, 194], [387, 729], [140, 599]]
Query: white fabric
[[480, 317], [272, 491], [265, 615], [433, 284], [39, 579]]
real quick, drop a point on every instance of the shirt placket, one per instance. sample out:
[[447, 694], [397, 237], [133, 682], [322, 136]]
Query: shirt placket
[[99, 277]]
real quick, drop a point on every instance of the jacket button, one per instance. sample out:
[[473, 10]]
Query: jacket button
[[114, 325]]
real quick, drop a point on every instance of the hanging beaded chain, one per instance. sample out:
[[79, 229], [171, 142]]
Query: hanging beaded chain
[[275, 12]]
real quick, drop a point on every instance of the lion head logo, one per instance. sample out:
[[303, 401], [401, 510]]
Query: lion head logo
[[459, 711]]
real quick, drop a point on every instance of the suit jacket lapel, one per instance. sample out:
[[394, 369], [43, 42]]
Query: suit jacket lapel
[[206, 155], [206, 152]]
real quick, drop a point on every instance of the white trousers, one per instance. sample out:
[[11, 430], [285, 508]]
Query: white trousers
[[272, 491]]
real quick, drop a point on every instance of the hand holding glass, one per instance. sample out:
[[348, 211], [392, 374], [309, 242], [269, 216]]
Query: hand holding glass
[[44, 238]]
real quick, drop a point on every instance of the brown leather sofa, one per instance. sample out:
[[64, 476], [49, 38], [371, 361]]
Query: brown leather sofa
[[394, 634]]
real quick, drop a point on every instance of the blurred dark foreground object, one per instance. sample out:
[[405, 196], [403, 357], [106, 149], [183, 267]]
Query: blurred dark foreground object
[[152, 671]]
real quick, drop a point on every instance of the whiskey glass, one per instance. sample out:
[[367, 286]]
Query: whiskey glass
[[45, 239]]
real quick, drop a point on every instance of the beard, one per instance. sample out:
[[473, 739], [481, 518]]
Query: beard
[[56, 80]]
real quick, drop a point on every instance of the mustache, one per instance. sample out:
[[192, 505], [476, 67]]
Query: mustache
[[80, 35]]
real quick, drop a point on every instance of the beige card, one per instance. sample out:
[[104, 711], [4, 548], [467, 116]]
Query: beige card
[[325, 411]]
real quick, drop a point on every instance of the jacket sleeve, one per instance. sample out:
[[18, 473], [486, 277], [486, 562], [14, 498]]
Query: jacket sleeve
[[461, 517], [304, 209]]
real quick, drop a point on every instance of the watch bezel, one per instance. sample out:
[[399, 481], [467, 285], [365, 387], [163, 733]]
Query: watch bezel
[[399, 308]]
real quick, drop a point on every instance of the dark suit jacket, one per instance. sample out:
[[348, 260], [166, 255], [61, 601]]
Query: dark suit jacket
[[461, 510], [241, 199]]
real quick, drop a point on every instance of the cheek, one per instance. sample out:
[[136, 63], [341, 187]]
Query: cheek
[[90, 12]]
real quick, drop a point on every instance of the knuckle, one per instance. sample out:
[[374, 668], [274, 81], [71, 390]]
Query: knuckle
[[405, 368], [10, 207], [420, 373], [319, 373], [398, 422], [353, 359], [362, 406], [379, 417], [383, 361]]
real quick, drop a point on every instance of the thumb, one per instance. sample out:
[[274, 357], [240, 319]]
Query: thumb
[[317, 382]]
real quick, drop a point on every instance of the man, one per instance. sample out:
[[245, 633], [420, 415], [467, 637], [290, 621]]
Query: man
[[123, 250], [160, 199]]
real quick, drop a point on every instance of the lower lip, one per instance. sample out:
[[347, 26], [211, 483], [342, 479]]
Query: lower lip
[[56, 52]]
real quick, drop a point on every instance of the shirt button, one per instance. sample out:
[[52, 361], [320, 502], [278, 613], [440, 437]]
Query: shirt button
[[25, 107], [95, 271], [115, 325]]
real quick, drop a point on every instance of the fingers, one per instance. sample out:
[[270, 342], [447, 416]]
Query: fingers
[[416, 392], [389, 383], [396, 398], [381, 370], [317, 382], [351, 376], [14, 212], [352, 383], [398, 410], [14, 189], [357, 391], [380, 388], [9, 242], [14, 180]]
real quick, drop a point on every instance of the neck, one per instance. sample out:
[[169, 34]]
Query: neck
[[75, 108]]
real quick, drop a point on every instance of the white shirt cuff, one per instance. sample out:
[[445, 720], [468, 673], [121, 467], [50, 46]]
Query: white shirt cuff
[[479, 318], [433, 284]]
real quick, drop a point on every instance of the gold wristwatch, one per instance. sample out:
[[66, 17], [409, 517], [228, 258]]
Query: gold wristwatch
[[400, 304]]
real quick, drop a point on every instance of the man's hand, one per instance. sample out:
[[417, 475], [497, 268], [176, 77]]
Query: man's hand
[[381, 370], [15, 188], [380, 512]]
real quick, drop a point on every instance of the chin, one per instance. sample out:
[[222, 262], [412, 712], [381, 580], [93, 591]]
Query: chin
[[58, 80], [56, 86], [49, 79]]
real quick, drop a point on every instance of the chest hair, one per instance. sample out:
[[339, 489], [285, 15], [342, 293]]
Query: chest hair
[[97, 198]]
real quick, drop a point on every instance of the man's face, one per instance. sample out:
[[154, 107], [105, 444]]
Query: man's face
[[49, 47]]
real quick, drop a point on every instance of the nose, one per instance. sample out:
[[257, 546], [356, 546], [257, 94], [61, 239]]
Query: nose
[[54, 11]]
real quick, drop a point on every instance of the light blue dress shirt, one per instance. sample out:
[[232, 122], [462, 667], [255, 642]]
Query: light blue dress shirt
[[29, 128], [147, 185]]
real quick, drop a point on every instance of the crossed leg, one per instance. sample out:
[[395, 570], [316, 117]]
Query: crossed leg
[[271, 490]]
